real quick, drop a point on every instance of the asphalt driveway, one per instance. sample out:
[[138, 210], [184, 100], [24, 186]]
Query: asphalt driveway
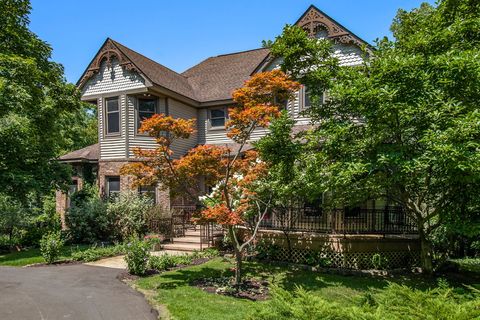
[[68, 292]]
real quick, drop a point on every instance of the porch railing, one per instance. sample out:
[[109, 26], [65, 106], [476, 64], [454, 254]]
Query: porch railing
[[355, 221]]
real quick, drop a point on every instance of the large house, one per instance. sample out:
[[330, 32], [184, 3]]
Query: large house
[[127, 87]]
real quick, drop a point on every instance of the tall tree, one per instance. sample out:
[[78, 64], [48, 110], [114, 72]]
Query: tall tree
[[406, 124], [39, 111], [234, 174]]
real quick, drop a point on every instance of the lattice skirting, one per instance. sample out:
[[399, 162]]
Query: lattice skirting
[[349, 260]]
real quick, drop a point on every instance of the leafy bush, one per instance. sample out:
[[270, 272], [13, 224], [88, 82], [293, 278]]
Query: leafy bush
[[87, 217], [50, 246], [267, 250], [12, 218], [166, 261], [395, 302], [162, 262], [43, 220], [137, 256], [95, 253], [379, 262]]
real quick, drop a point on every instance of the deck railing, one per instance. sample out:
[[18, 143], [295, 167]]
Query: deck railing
[[355, 221]]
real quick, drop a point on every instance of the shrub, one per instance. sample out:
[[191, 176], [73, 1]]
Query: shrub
[[87, 217], [43, 220], [394, 302], [50, 246], [379, 262], [95, 253], [127, 213], [267, 250], [137, 256], [161, 263]]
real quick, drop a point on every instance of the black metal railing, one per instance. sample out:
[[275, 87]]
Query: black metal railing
[[356, 221]]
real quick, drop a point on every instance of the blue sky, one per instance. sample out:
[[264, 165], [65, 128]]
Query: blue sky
[[181, 33]]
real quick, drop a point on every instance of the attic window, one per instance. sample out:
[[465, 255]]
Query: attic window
[[217, 118]]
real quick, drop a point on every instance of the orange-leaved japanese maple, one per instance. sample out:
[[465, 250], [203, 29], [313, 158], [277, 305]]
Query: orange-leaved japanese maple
[[233, 172]]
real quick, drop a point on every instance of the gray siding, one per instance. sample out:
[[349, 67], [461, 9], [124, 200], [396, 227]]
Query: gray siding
[[177, 109], [135, 139], [112, 79]]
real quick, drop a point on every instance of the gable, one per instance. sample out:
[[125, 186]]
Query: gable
[[111, 76], [318, 24]]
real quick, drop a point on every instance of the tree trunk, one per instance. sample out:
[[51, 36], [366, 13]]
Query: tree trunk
[[238, 267], [426, 253]]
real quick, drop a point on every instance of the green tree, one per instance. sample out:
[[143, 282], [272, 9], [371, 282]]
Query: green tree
[[40, 114], [406, 124]]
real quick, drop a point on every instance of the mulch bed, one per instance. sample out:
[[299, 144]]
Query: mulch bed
[[250, 289], [54, 264]]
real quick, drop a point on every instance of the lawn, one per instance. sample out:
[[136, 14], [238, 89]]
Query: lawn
[[31, 256], [172, 289]]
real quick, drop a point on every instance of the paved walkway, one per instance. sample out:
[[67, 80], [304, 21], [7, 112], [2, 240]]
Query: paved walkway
[[119, 263], [77, 292]]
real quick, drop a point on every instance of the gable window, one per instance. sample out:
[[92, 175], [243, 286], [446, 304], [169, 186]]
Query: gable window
[[217, 118], [113, 186], [112, 116], [146, 109]]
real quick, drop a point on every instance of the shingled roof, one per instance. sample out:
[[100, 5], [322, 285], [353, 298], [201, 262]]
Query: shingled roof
[[157, 73], [215, 78], [87, 154]]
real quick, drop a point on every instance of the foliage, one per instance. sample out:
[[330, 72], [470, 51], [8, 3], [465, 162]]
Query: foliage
[[403, 126], [51, 245], [40, 114], [87, 218], [95, 253], [137, 256], [12, 217], [167, 261], [127, 213], [395, 302], [41, 221], [379, 261]]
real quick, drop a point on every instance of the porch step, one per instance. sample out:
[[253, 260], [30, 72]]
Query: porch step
[[187, 239], [182, 246], [193, 233]]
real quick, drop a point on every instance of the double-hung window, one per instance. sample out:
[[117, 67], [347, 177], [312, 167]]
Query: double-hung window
[[113, 116], [146, 109], [217, 117], [307, 102], [113, 186], [148, 191]]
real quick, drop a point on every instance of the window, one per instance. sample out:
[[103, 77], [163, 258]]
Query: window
[[217, 118], [307, 102], [146, 109], [148, 191], [113, 186], [112, 116], [353, 212]]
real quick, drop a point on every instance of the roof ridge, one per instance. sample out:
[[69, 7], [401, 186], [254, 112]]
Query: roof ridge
[[144, 56], [238, 52]]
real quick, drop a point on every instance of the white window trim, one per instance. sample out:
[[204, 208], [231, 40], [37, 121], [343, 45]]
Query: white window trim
[[105, 117]]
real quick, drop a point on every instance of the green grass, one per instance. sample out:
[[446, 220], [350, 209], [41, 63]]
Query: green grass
[[172, 289], [31, 256]]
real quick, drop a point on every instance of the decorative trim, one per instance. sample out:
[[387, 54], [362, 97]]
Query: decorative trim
[[109, 52], [313, 21]]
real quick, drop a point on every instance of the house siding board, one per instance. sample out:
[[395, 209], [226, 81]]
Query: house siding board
[[112, 79], [113, 147], [177, 109], [137, 140]]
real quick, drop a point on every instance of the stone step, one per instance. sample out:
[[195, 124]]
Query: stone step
[[187, 239], [182, 246], [192, 233]]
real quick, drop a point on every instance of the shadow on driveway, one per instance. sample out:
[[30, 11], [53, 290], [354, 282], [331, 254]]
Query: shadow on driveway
[[69, 292]]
